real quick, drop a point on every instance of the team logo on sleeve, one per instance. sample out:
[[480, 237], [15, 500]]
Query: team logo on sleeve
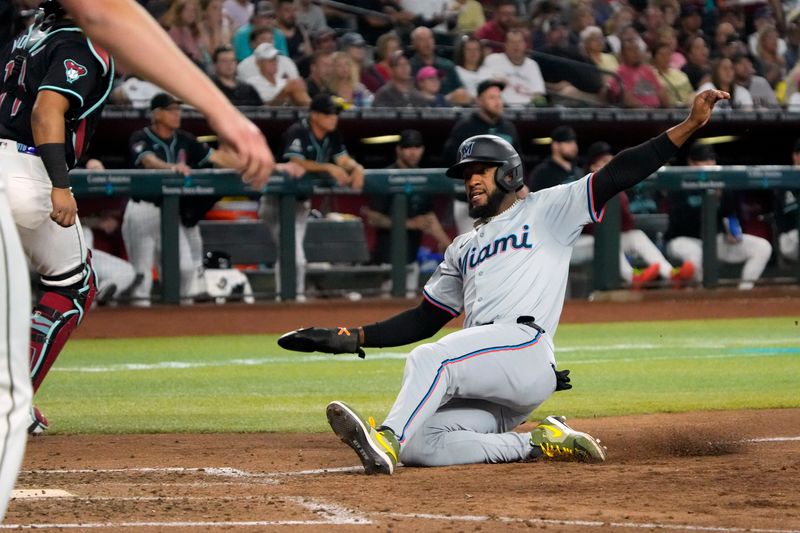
[[74, 70], [466, 150]]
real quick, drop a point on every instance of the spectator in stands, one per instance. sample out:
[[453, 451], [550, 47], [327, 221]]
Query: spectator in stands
[[425, 55], [239, 11], [691, 21], [320, 71], [248, 68], [354, 45], [323, 41], [313, 143], [224, 77], [399, 91], [621, 27], [296, 36], [428, 84], [786, 215], [652, 20], [273, 89], [593, 45], [759, 88], [215, 27], [310, 16], [397, 17], [468, 15], [421, 219], [763, 19], [580, 18], [469, 60], [733, 246], [722, 78], [640, 85], [182, 23], [345, 81], [263, 20], [566, 71], [504, 17], [380, 71], [488, 118], [697, 67], [724, 35], [559, 167], [667, 35], [770, 59], [675, 82], [523, 80], [164, 146]]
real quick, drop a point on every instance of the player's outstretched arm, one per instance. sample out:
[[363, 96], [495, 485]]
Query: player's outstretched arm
[[633, 165], [411, 325], [139, 43]]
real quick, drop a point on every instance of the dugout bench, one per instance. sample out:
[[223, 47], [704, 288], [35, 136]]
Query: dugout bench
[[336, 251]]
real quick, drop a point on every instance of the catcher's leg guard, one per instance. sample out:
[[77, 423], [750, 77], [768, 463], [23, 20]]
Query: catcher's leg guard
[[56, 315]]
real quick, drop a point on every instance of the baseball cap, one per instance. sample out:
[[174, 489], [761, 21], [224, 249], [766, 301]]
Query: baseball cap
[[410, 138], [563, 134], [264, 9], [265, 51], [351, 38], [427, 72], [162, 100], [486, 84], [324, 103], [702, 152], [597, 150]]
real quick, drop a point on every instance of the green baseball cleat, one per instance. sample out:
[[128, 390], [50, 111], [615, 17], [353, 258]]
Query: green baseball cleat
[[378, 450], [554, 439]]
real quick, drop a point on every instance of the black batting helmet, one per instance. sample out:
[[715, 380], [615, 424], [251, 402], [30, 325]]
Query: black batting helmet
[[50, 11], [491, 149]]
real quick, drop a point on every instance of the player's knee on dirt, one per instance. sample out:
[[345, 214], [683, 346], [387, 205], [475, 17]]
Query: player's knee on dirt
[[56, 315]]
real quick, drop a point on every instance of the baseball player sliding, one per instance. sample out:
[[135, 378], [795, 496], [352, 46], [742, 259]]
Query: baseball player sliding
[[463, 395]]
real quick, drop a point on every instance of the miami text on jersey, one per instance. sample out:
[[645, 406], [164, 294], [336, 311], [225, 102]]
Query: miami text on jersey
[[472, 259]]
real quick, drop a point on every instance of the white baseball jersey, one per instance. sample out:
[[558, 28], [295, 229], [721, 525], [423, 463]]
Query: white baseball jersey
[[484, 380], [517, 263]]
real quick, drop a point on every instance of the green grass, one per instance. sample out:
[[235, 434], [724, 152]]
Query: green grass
[[247, 383]]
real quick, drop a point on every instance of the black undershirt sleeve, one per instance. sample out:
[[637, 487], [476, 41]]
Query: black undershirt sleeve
[[631, 166], [409, 326]]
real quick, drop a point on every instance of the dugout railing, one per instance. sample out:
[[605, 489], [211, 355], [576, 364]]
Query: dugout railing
[[169, 187]]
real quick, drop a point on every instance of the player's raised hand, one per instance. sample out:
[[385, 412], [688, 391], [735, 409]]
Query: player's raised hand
[[65, 210], [703, 105]]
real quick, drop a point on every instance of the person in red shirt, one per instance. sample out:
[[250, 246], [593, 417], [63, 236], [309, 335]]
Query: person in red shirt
[[494, 30], [639, 82]]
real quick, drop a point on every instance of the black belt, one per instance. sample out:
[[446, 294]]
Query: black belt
[[525, 320]]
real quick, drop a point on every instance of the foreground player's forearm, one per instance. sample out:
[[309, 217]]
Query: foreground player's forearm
[[412, 325]]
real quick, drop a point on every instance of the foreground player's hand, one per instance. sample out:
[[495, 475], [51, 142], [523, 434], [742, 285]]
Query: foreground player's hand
[[238, 133], [65, 210], [327, 340], [703, 105]]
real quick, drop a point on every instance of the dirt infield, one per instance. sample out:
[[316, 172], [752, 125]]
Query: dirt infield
[[706, 471]]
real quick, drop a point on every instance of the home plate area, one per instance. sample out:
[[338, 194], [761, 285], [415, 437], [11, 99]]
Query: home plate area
[[730, 471]]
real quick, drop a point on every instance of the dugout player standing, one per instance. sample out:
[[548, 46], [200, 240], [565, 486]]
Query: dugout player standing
[[54, 86], [462, 396]]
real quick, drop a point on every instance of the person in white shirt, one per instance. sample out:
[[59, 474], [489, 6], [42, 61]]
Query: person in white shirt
[[248, 68], [271, 86], [238, 11], [521, 74]]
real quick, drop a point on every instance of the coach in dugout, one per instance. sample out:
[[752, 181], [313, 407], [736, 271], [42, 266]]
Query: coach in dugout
[[315, 144], [164, 146]]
